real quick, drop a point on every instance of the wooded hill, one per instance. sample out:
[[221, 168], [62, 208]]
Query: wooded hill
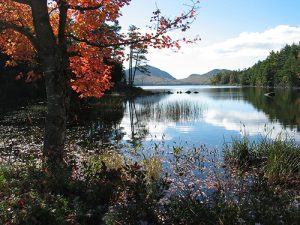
[[205, 78], [280, 68], [155, 76]]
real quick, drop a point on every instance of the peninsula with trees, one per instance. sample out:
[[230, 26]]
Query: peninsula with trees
[[279, 69]]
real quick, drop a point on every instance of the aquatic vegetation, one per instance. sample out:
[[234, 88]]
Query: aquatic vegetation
[[153, 166], [283, 161], [195, 186], [278, 159], [110, 159], [113, 182], [177, 150]]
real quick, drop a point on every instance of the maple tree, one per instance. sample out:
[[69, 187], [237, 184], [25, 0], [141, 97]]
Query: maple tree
[[68, 42]]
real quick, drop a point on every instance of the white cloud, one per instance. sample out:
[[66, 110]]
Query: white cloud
[[255, 123], [235, 53]]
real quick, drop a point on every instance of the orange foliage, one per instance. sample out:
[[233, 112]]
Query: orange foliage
[[88, 37], [12, 42]]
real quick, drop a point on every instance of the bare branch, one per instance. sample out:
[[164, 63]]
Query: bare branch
[[53, 10]]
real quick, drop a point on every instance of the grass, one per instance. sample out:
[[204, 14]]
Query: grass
[[258, 205], [109, 189], [283, 161], [101, 189], [278, 159], [153, 166]]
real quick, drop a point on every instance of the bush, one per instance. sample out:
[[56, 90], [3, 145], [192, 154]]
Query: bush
[[108, 189], [104, 189]]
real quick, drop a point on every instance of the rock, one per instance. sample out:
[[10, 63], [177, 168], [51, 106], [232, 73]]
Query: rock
[[270, 94]]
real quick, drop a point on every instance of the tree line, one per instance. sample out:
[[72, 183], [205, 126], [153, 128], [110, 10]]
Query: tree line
[[279, 69]]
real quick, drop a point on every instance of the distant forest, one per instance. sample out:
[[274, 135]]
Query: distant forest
[[279, 69]]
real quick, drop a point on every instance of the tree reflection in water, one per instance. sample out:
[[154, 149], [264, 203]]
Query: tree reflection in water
[[117, 121]]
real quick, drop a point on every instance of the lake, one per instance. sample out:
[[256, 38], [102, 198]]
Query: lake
[[209, 115]]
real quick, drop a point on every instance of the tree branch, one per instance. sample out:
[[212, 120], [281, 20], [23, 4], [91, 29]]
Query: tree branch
[[4, 25], [26, 2], [62, 22], [85, 8], [95, 44]]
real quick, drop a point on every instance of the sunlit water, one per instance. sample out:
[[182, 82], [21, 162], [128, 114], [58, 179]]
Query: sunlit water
[[210, 115], [184, 133]]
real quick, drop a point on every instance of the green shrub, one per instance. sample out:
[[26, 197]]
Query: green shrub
[[4, 173]]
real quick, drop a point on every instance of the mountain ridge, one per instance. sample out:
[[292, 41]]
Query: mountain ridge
[[157, 76], [200, 78]]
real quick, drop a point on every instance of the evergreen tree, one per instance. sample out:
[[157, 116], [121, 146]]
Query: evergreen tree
[[278, 69]]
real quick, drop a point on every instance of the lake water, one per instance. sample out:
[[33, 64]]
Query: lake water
[[209, 115], [175, 135]]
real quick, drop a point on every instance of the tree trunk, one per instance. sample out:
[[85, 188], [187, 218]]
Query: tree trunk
[[56, 119], [54, 62], [130, 81]]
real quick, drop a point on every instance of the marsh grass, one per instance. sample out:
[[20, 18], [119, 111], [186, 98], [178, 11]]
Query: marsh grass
[[112, 160], [278, 159], [153, 166], [188, 186], [282, 161], [240, 152]]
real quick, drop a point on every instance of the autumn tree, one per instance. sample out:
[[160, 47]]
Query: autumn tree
[[67, 42]]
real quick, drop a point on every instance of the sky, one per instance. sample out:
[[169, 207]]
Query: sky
[[234, 34]]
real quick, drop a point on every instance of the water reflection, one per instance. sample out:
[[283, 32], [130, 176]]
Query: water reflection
[[284, 107], [168, 110], [207, 115], [213, 116], [99, 127], [138, 126]]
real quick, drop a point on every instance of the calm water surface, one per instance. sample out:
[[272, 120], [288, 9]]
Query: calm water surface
[[210, 115]]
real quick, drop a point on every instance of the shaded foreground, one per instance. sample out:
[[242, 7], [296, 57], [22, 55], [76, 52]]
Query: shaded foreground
[[257, 183]]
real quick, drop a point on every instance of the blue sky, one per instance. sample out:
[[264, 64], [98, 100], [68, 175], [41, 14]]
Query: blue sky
[[235, 33]]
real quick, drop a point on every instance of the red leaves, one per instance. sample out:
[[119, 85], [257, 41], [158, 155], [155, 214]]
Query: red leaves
[[163, 23], [88, 35], [21, 204], [19, 76], [91, 74]]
